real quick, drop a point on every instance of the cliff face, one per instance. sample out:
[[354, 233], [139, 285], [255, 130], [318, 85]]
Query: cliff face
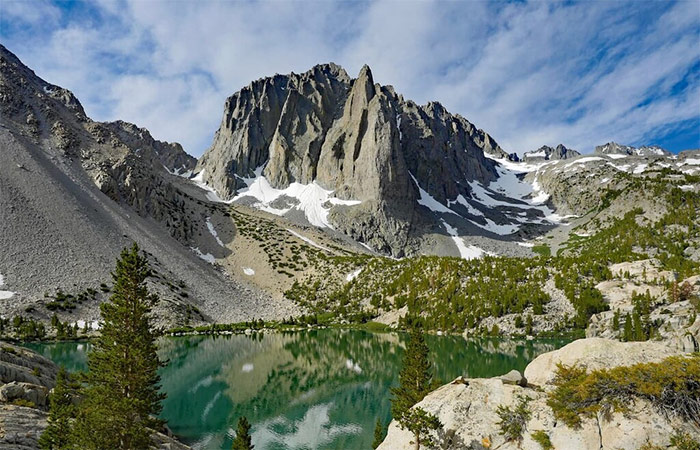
[[360, 140]]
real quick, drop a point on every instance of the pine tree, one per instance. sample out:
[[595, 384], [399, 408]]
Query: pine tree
[[378, 434], [415, 382], [243, 441], [61, 411], [528, 325], [627, 334], [122, 393]]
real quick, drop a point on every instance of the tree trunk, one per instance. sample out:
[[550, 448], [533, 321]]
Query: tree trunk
[[417, 435]]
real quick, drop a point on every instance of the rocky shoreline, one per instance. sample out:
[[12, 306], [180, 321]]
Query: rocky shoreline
[[26, 380], [468, 408]]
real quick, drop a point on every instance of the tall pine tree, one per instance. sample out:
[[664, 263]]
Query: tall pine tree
[[243, 440], [61, 412], [415, 382], [122, 394]]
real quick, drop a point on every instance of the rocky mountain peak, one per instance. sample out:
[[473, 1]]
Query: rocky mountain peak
[[615, 148], [355, 138], [546, 153]]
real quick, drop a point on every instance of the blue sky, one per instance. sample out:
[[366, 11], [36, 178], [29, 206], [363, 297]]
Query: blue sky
[[529, 73]]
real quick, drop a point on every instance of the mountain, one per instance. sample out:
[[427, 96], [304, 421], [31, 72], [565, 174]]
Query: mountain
[[613, 148], [546, 153], [311, 178], [73, 192], [358, 159]]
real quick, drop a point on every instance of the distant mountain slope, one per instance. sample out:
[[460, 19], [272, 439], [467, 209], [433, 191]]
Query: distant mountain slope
[[617, 149], [73, 192]]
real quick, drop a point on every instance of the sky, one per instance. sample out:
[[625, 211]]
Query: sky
[[529, 73]]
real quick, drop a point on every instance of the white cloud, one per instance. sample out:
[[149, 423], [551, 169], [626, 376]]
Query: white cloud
[[528, 73]]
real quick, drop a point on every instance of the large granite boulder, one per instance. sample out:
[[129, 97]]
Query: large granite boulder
[[468, 408]]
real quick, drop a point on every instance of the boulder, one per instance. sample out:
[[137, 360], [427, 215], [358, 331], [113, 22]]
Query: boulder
[[514, 377], [468, 408], [37, 395], [595, 353], [23, 365]]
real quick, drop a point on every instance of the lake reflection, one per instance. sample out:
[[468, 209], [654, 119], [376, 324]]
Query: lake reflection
[[319, 389]]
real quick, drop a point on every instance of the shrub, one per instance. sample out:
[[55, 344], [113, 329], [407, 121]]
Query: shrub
[[23, 402], [684, 441], [672, 386], [514, 420], [542, 438], [543, 250]]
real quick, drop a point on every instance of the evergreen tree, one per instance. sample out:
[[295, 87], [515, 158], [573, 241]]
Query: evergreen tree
[[378, 434], [627, 334], [528, 325], [616, 320], [243, 440], [121, 397], [61, 411], [415, 382]]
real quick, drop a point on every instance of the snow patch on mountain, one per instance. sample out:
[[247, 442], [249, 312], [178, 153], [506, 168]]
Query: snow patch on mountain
[[310, 198], [352, 275], [465, 251], [308, 241], [4, 295], [429, 202], [213, 232], [208, 257]]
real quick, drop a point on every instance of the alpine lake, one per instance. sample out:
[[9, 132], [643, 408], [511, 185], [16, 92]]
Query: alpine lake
[[312, 389]]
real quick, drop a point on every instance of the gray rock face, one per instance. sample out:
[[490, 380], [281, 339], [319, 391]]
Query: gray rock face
[[354, 137], [615, 148], [546, 153], [36, 395], [170, 154], [26, 367]]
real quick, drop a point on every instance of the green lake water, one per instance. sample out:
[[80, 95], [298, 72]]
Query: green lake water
[[319, 389]]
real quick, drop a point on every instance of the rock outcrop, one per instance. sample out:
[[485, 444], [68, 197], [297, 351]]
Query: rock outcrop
[[677, 323], [468, 408]]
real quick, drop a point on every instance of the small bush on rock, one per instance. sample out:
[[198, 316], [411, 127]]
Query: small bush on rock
[[514, 421], [672, 386], [542, 438]]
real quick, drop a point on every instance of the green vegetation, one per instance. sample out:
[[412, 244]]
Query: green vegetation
[[415, 382], [454, 295], [672, 386], [121, 396], [542, 438], [242, 441], [378, 434], [543, 250], [684, 441], [638, 326], [56, 436], [513, 421], [67, 302]]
